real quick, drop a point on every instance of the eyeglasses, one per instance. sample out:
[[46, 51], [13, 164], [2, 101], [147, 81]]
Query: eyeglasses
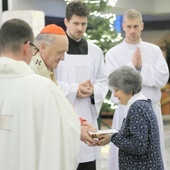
[[35, 49]]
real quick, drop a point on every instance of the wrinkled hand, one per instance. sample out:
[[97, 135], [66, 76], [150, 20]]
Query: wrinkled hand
[[137, 59], [85, 136], [104, 139], [85, 89]]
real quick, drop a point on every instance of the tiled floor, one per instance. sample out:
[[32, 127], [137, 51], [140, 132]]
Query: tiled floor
[[102, 164]]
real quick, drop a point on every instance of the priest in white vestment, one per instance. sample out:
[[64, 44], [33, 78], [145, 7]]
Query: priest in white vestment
[[39, 130]]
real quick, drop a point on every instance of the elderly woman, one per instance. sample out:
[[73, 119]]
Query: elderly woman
[[138, 139]]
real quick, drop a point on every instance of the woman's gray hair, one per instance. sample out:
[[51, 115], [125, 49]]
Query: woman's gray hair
[[126, 79]]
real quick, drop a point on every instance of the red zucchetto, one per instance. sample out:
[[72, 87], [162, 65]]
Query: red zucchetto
[[52, 29]]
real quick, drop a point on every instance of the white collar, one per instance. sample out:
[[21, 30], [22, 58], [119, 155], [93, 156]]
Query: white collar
[[12, 68], [138, 96]]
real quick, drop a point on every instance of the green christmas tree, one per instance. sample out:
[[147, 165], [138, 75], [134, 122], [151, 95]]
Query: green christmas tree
[[101, 31], [101, 25]]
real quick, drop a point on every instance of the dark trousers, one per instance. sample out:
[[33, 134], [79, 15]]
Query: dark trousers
[[87, 166]]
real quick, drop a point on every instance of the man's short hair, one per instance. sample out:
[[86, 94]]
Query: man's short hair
[[76, 8], [132, 14], [14, 33]]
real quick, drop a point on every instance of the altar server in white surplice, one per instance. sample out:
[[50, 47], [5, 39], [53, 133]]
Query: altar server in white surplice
[[39, 130], [82, 75], [148, 59]]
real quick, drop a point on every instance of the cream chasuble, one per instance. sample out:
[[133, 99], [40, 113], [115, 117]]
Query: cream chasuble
[[38, 66], [39, 130]]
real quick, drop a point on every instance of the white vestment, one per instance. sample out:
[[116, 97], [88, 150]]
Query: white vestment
[[155, 75], [76, 69], [38, 128]]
